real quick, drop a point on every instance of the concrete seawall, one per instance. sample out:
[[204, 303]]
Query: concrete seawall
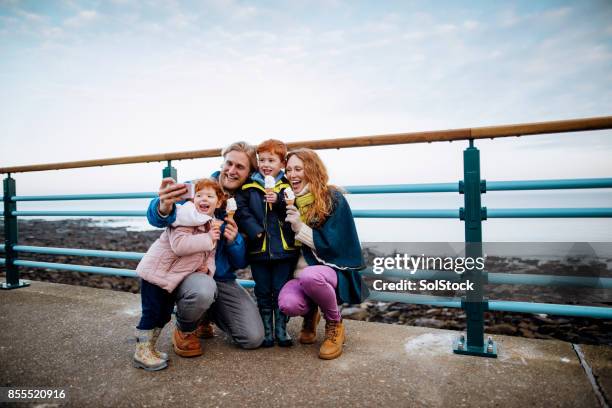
[[78, 338]]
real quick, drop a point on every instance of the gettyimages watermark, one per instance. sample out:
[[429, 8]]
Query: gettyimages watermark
[[558, 272]]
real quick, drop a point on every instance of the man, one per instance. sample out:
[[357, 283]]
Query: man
[[222, 299]]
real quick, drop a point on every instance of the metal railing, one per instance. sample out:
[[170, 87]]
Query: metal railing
[[472, 213]]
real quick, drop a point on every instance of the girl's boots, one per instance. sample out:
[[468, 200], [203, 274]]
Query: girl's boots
[[146, 356], [280, 329]]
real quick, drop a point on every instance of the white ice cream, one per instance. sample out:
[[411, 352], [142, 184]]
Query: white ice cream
[[269, 182], [231, 205]]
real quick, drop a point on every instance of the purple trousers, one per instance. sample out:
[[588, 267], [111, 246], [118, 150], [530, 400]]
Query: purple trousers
[[315, 287]]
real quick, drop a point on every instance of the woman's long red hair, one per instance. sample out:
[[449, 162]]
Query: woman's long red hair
[[315, 175]]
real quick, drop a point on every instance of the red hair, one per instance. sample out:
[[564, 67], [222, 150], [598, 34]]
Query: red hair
[[212, 184], [315, 175], [273, 146]]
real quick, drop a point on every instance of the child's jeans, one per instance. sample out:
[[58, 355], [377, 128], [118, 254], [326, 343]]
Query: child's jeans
[[315, 287], [270, 277], [157, 306], [193, 298]]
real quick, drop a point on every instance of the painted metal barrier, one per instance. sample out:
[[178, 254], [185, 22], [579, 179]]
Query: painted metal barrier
[[472, 213]]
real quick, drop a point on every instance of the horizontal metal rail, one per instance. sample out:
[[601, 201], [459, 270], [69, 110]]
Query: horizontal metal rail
[[133, 256], [80, 213], [549, 213], [560, 184], [404, 188], [112, 196], [497, 278], [374, 189], [376, 213], [406, 213], [128, 273], [493, 277], [489, 132], [499, 305]]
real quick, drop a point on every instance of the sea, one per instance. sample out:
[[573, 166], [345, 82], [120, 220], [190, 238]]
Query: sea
[[418, 230]]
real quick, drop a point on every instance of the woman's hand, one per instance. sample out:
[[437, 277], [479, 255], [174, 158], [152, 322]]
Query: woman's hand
[[231, 230], [293, 217], [170, 192]]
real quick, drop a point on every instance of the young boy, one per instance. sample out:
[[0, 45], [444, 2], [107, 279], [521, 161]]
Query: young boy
[[261, 215]]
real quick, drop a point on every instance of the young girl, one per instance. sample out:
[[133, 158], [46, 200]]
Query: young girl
[[187, 247]]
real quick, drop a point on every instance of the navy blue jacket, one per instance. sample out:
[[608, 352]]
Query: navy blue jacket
[[337, 245], [268, 236]]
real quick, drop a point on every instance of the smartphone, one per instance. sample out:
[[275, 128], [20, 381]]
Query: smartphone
[[190, 191]]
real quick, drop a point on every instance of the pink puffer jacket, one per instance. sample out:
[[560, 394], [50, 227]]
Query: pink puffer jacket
[[177, 253]]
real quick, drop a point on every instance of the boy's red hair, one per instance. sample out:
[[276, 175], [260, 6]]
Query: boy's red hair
[[273, 146]]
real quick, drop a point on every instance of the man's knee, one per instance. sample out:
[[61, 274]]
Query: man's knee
[[251, 340]]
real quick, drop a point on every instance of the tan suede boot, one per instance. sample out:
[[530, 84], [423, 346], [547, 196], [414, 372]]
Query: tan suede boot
[[205, 330], [186, 344], [308, 334], [334, 340], [144, 356]]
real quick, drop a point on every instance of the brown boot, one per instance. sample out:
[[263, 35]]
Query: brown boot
[[205, 330], [186, 344], [308, 335], [334, 340]]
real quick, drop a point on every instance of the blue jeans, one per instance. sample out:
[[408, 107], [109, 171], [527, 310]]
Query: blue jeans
[[270, 277]]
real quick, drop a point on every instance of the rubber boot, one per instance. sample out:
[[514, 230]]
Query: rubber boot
[[268, 324], [144, 356], [280, 329]]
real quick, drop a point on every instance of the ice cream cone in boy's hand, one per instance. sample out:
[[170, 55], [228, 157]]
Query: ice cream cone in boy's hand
[[289, 196], [269, 183], [231, 208]]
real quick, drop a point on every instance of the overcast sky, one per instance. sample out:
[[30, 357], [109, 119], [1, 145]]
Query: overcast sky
[[95, 79]]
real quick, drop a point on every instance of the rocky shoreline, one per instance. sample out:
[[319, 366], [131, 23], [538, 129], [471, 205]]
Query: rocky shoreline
[[81, 233]]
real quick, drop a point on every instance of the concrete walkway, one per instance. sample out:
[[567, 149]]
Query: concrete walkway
[[55, 335]]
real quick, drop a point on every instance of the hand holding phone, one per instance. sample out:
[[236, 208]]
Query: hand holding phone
[[190, 192]]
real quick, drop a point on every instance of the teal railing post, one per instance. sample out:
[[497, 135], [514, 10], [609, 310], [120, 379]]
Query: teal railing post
[[474, 303], [10, 237], [169, 171]]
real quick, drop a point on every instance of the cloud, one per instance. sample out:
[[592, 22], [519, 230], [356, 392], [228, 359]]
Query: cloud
[[82, 18]]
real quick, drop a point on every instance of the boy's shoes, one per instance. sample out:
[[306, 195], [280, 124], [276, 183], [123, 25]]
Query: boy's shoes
[[146, 357], [334, 340], [267, 319], [205, 330], [280, 329], [308, 335], [186, 344]]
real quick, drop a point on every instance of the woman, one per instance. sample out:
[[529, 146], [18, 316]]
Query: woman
[[327, 271]]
